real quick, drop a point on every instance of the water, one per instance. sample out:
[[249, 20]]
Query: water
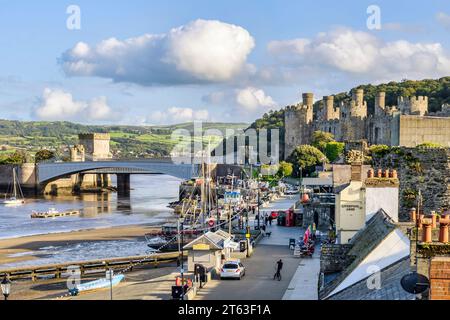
[[147, 204]]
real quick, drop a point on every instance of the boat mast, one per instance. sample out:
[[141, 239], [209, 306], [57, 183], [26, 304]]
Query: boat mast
[[14, 183]]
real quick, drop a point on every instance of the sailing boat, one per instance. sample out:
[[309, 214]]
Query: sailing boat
[[16, 197]]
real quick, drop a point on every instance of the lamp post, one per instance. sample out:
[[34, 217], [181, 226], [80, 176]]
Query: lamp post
[[182, 261], [109, 276], [259, 198], [217, 206], [6, 287]]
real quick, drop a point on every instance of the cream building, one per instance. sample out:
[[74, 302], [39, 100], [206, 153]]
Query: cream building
[[360, 200]]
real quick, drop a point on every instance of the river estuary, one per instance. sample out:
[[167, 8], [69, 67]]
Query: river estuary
[[147, 204]]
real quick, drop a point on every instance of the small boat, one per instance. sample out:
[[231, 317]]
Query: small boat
[[167, 239], [98, 284], [16, 198], [53, 213]]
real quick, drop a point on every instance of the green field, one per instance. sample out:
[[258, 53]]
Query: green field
[[126, 141]]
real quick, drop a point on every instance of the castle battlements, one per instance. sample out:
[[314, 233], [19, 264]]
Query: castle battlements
[[349, 120], [413, 105], [96, 136]]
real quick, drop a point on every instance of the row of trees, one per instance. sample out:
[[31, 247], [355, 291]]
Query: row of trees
[[21, 157], [303, 160]]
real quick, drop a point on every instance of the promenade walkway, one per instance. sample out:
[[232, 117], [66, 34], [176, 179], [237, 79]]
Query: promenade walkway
[[258, 283]]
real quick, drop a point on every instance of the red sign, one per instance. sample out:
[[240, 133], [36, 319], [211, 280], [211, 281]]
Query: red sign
[[211, 223]]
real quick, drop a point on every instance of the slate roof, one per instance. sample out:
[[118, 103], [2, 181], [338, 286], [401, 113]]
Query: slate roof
[[215, 239], [363, 243], [391, 288]]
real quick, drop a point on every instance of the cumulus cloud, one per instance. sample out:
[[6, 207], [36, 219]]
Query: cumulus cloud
[[360, 54], [57, 104], [178, 115], [203, 51], [244, 103], [253, 99]]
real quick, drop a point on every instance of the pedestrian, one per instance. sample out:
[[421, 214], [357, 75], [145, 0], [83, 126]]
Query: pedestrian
[[279, 267], [265, 220], [270, 220]]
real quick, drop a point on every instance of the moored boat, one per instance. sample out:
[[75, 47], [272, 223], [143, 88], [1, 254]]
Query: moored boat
[[53, 213], [98, 284], [16, 198]]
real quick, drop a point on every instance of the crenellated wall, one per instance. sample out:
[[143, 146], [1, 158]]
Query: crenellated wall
[[407, 124], [424, 169]]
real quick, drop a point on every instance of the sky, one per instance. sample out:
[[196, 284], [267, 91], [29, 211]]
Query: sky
[[163, 62]]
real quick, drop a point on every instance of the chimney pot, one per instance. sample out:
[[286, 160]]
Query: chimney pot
[[379, 173], [433, 220], [426, 232], [371, 173], [443, 230], [386, 173], [413, 215], [394, 174]]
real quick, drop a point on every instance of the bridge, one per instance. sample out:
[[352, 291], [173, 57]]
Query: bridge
[[50, 171]]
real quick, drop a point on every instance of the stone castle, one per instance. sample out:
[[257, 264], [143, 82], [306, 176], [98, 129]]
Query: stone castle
[[407, 124]]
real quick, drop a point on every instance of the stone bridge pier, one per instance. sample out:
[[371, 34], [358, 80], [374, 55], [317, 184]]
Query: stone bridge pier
[[123, 185]]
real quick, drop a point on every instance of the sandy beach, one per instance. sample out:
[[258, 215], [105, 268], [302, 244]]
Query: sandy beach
[[16, 246]]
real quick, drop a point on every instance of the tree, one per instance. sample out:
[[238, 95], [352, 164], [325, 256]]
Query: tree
[[43, 155], [18, 157], [333, 150], [320, 139], [305, 158], [285, 169]]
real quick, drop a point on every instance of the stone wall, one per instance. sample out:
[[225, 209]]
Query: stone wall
[[334, 258], [427, 170], [415, 130], [26, 174]]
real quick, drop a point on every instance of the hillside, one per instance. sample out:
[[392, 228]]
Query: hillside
[[126, 141]]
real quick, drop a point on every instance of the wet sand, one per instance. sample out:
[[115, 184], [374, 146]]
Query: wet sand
[[34, 243]]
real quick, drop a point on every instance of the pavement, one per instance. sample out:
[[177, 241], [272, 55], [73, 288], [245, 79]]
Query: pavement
[[258, 283], [154, 284], [304, 283]]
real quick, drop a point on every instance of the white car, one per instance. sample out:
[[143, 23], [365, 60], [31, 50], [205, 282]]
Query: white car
[[232, 269]]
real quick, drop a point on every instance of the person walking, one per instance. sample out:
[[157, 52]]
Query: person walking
[[270, 220], [278, 273]]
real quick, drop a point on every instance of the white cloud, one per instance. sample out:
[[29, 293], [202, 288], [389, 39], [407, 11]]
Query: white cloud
[[254, 99], [203, 51], [344, 52], [57, 104], [177, 115]]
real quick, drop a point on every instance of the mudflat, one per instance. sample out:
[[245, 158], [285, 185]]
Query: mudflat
[[15, 246]]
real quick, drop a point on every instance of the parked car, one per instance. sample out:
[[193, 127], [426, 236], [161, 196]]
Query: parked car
[[232, 269]]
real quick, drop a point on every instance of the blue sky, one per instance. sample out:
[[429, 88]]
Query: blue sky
[[227, 61]]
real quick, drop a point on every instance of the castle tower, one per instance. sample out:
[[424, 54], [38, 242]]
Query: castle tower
[[358, 107], [96, 145], [308, 99], [413, 105], [330, 111], [358, 97], [380, 103], [298, 124]]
